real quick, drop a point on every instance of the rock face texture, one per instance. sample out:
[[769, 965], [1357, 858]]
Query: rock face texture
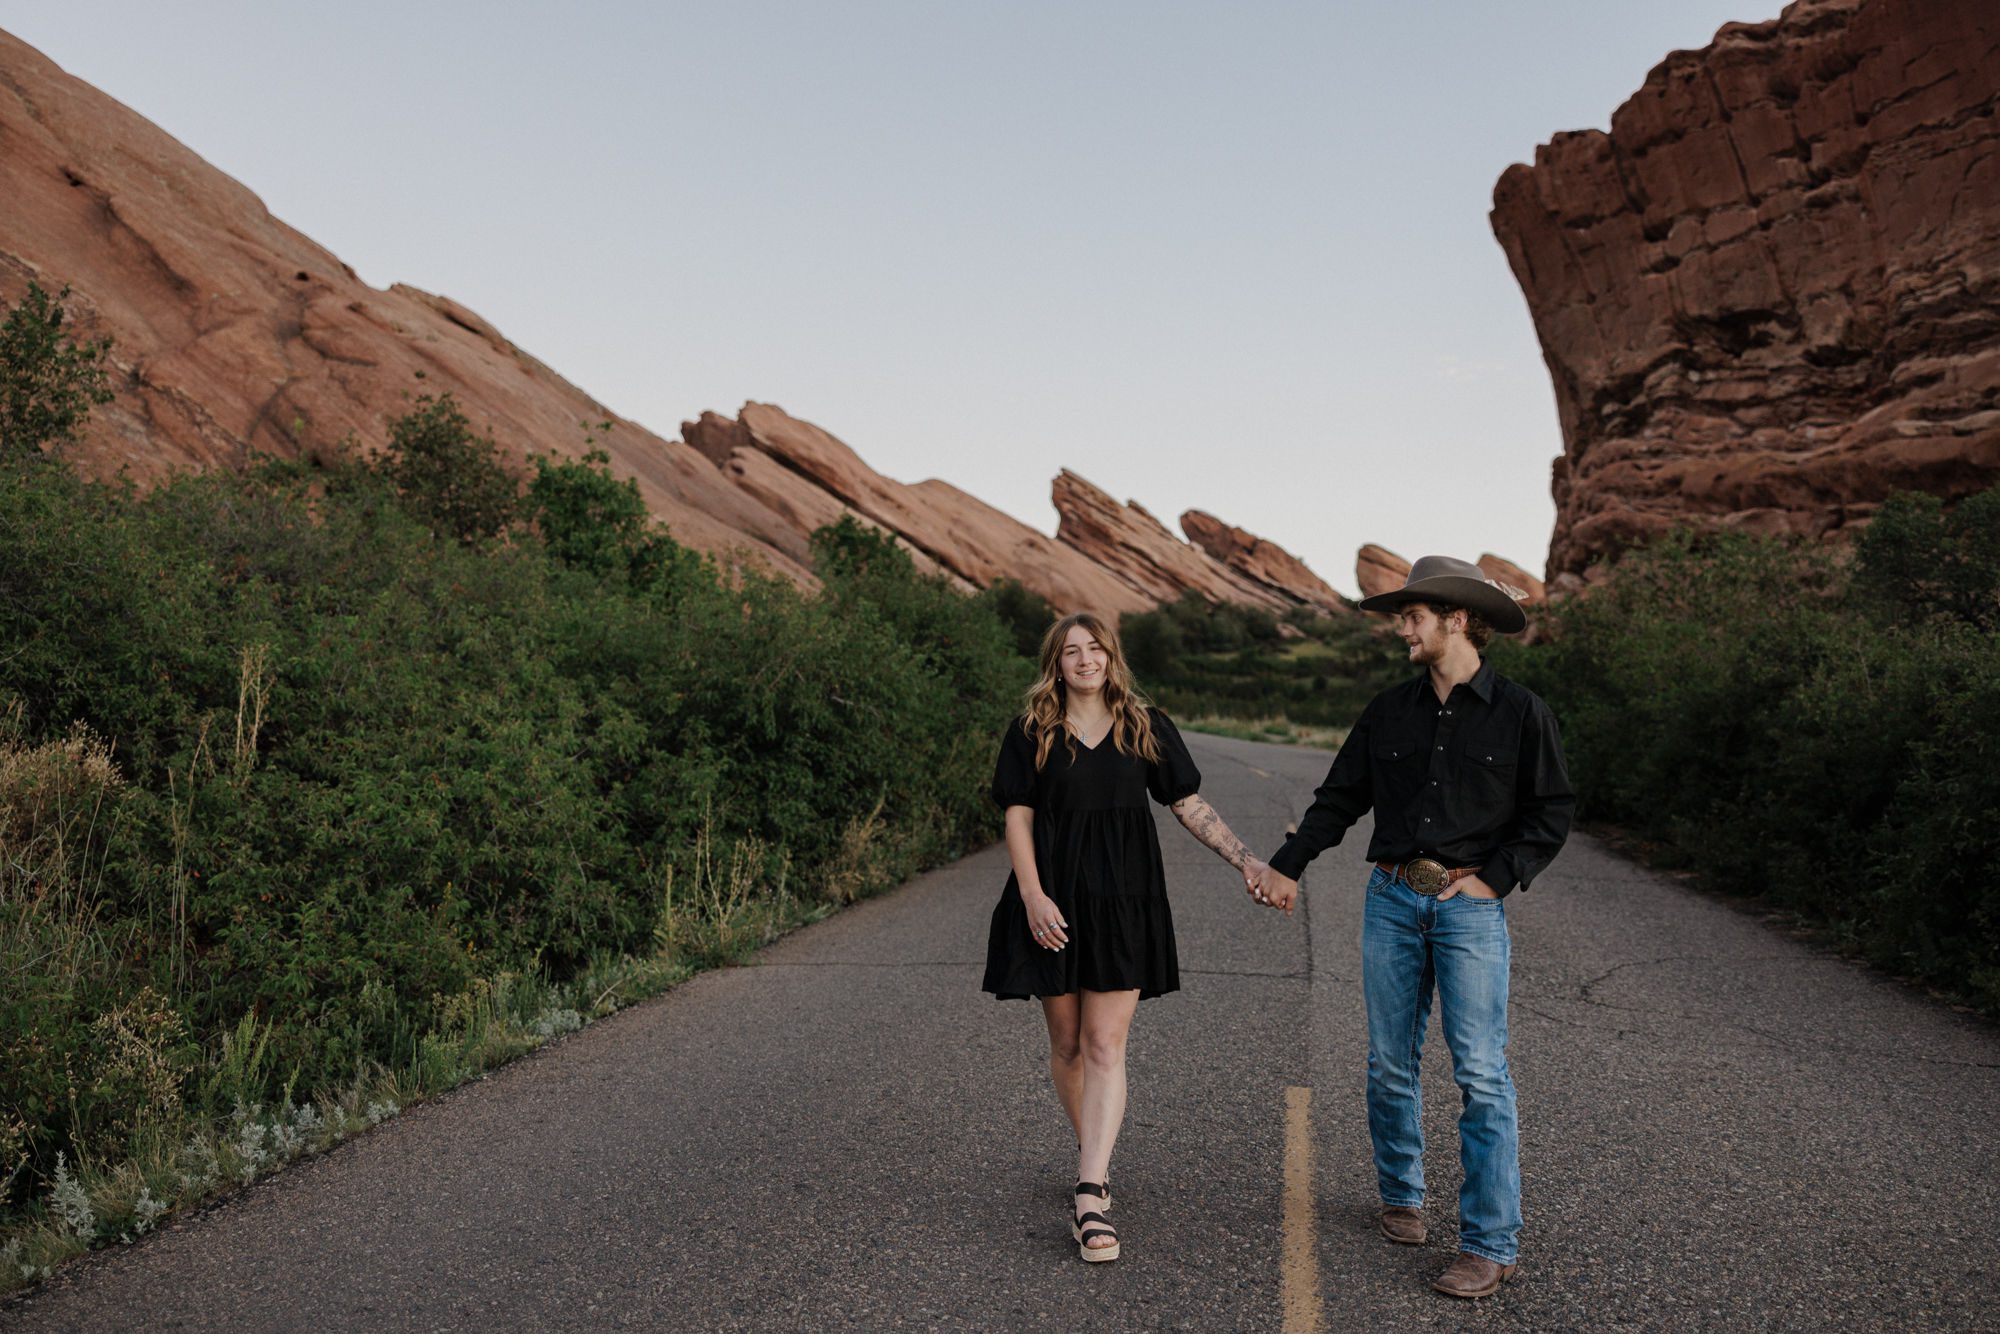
[[1509, 575], [1135, 546], [1379, 570], [234, 333], [1263, 562], [801, 471], [1771, 294]]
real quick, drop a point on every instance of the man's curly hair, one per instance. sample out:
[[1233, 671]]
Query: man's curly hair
[[1477, 629]]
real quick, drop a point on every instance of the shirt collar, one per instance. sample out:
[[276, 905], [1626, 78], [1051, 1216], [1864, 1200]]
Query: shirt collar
[[1482, 683]]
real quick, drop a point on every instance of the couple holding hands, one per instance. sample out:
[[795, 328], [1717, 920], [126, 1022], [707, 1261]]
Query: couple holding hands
[[1464, 771]]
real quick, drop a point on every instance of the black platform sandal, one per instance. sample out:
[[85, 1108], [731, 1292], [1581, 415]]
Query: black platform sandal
[[1080, 1229], [1095, 1189]]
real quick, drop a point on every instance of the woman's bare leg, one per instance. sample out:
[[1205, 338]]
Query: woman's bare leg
[[1106, 1019], [1064, 1014]]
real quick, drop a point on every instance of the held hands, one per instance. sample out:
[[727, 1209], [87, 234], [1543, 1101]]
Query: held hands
[[1269, 886]]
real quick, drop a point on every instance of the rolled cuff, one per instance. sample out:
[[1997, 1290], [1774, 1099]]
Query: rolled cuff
[[1290, 861]]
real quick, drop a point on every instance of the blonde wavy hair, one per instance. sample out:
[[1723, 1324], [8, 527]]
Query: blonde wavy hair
[[1045, 715]]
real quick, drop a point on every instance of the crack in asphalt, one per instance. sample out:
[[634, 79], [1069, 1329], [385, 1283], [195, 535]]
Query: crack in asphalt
[[1586, 987], [1784, 1041]]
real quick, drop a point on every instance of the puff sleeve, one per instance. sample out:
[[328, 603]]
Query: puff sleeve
[[1014, 772], [1173, 776]]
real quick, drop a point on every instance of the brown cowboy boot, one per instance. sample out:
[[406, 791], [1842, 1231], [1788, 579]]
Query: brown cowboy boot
[[1404, 1225], [1473, 1276]]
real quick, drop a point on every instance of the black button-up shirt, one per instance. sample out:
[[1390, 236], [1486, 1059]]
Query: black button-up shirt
[[1475, 781]]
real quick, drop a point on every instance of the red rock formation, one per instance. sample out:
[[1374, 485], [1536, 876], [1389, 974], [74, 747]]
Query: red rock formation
[[232, 332], [799, 470], [1378, 570], [1513, 578], [1263, 562], [1771, 294], [1135, 546]]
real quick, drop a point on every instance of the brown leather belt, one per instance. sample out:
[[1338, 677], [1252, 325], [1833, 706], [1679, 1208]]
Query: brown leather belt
[[1425, 875]]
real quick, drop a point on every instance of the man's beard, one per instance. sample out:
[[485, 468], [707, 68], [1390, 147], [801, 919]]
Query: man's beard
[[1426, 654]]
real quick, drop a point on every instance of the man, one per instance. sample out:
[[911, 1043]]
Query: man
[[1464, 770]]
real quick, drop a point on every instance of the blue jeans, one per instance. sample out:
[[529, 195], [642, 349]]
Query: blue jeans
[[1411, 943]]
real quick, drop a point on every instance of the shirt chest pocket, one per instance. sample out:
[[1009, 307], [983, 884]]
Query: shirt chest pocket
[[1398, 765], [1392, 749], [1489, 765]]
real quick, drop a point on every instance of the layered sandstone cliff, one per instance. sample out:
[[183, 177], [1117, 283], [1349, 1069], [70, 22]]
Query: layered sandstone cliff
[[1379, 570], [1771, 294], [232, 333], [803, 471], [1261, 561], [1127, 540]]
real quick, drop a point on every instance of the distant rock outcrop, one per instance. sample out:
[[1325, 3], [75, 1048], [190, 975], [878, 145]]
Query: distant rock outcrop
[[1135, 546], [797, 469], [1771, 294], [1513, 578], [1261, 561], [1378, 570], [233, 333]]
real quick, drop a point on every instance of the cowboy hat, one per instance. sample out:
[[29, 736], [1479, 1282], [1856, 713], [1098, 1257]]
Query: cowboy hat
[[1459, 583]]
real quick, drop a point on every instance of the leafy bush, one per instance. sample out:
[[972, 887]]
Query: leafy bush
[[1229, 661], [366, 751], [48, 381], [592, 521], [1026, 614], [1816, 732], [447, 474]]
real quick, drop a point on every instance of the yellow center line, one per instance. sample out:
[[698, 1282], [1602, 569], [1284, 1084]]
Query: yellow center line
[[1298, 1261]]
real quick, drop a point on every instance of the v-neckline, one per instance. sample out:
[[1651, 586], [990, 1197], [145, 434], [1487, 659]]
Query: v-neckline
[[1085, 744]]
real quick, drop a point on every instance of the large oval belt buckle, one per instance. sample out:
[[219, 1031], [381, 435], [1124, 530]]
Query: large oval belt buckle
[[1427, 876]]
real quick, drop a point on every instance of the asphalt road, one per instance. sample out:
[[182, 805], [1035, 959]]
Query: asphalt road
[[1721, 1129]]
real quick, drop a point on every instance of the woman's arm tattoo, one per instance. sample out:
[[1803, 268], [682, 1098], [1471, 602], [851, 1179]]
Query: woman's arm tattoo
[[1200, 819]]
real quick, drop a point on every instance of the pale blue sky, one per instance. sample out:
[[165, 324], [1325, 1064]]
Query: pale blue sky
[[1227, 257]]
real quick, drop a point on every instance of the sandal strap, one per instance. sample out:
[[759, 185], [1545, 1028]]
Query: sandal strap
[[1090, 1232], [1093, 1215], [1092, 1188]]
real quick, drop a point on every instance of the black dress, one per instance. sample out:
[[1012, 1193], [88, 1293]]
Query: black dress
[[1099, 858]]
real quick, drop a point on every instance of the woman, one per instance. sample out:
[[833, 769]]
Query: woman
[[1083, 923]]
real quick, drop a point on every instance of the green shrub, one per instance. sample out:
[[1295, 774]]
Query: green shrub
[[1812, 731], [1919, 562], [596, 523], [447, 474], [1026, 614], [370, 759], [1198, 659], [48, 381]]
